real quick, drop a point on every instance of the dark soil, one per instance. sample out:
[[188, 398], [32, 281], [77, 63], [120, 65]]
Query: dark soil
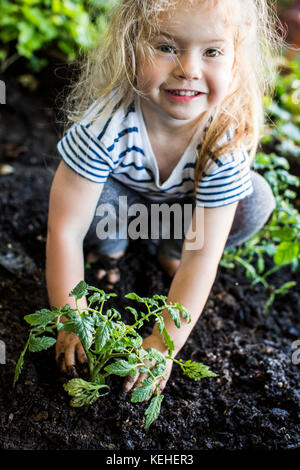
[[254, 403]]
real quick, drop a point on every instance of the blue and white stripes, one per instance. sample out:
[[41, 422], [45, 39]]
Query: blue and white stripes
[[120, 147], [226, 183]]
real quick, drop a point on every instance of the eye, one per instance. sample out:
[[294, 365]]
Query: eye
[[167, 49], [213, 52]]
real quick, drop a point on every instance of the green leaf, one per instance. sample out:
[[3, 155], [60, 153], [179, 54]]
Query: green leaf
[[285, 287], [168, 341], [184, 311], [278, 112], [159, 370], [83, 326], [134, 296], [40, 317], [102, 336], [79, 291], [83, 392], [286, 252], [133, 311], [120, 367], [157, 355], [291, 130], [39, 343], [175, 315], [196, 370], [260, 264], [160, 323], [163, 298], [153, 410], [20, 363], [142, 392]]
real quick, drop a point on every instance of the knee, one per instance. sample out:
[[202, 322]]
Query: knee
[[262, 194]]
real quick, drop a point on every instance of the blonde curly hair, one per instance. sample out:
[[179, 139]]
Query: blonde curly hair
[[109, 70]]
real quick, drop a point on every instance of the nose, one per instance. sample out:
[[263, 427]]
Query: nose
[[189, 67]]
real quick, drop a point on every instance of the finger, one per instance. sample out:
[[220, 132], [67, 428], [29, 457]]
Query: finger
[[60, 361], [162, 386], [129, 383], [81, 356], [70, 361], [140, 378]]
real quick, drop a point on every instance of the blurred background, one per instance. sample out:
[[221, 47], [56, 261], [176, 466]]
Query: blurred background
[[35, 32]]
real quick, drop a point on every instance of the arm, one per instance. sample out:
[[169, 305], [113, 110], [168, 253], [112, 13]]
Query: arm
[[194, 279], [72, 205], [197, 271]]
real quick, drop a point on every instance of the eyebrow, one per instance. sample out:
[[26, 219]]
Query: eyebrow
[[171, 36]]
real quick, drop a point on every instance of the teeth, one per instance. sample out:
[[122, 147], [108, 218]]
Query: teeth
[[184, 93]]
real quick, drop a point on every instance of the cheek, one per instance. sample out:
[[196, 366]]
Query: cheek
[[220, 85], [148, 77]]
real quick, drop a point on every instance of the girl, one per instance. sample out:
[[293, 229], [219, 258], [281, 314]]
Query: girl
[[168, 109]]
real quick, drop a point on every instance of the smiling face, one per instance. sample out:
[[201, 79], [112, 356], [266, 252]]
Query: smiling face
[[192, 66]]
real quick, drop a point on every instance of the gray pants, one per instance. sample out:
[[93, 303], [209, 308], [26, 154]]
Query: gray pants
[[251, 214]]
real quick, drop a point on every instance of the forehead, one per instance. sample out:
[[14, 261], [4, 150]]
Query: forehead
[[192, 18]]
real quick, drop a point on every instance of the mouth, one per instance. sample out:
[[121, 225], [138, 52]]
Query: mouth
[[185, 92], [183, 96]]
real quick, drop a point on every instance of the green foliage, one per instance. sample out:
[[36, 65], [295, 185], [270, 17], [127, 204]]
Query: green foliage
[[280, 238], [112, 347], [58, 27]]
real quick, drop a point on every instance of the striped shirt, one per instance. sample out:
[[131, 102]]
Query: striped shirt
[[120, 147]]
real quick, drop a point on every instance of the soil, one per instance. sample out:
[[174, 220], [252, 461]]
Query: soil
[[254, 403]]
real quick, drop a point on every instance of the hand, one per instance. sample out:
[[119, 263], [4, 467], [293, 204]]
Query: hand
[[68, 347], [155, 342]]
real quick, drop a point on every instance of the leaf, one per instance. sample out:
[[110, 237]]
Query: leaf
[[83, 326], [39, 343], [134, 296], [79, 291], [120, 367], [153, 410], [286, 252], [135, 342], [291, 130], [133, 311], [99, 295], [185, 312], [40, 317], [174, 313], [142, 392], [160, 323], [163, 298], [95, 297], [83, 392], [159, 370], [274, 109], [285, 287], [102, 336], [157, 355], [20, 363], [260, 264], [196, 370], [168, 341]]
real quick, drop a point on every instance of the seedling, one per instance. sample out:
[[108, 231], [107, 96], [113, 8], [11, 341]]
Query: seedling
[[111, 346]]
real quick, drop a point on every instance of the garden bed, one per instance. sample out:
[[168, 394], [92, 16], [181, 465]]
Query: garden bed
[[254, 403]]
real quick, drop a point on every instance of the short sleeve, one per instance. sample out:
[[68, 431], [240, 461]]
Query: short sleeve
[[82, 151], [227, 180]]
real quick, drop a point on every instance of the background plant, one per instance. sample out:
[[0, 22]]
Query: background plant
[[279, 240], [111, 346], [35, 29]]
